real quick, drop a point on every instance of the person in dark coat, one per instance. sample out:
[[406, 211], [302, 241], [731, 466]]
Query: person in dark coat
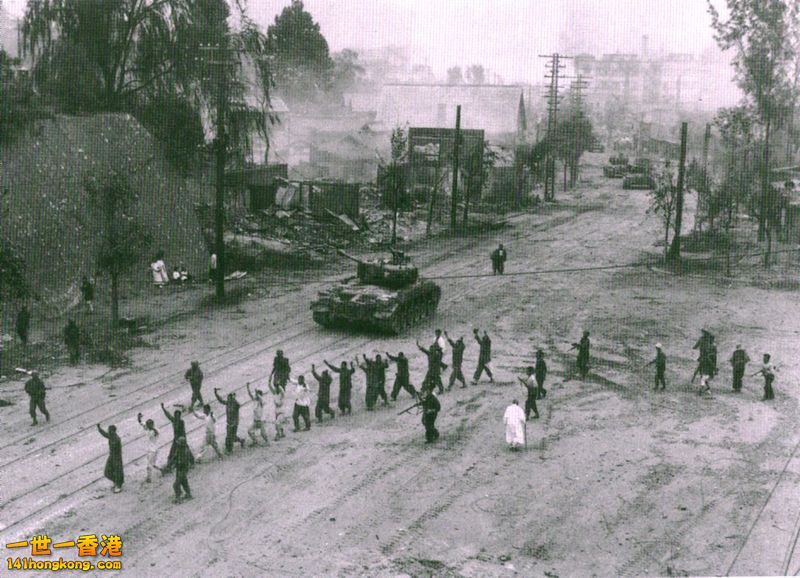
[[583, 347], [36, 391], [379, 365], [280, 369], [345, 374], [23, 324], [72, 338], [458, 358], [113, 470], [178, 430], [499, 260], [371, 394], [194, 375], [739, 361], [232, 407], [484, 357], [183, 461], [540, 372], [433, 377], [430, 411], [402, 379], [87, 291], [324, 381]]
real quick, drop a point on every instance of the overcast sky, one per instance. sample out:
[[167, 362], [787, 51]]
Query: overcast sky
[[504, 35]]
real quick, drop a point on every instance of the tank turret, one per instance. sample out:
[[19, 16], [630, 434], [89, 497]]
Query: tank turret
[[386, 295]]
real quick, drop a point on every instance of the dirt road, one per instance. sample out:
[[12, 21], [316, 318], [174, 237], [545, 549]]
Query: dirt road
[[616, 479]]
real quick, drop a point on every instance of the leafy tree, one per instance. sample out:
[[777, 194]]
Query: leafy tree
[[573, 137], [346, 71], [122, 239], [175, 122], [663, 199], [455, 76], [299, 52], [760, 33], [119, 47], [393, 177]]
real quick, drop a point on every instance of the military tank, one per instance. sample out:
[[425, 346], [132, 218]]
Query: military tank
[[386, 296]]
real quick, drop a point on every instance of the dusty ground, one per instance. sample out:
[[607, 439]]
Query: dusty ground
[[616, 480]]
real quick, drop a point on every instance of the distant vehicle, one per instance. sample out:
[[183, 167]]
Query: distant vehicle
[[638, 181], [617, 167], [384, 296]]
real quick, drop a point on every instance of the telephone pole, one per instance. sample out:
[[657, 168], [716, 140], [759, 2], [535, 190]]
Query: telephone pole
[[674, 254], [454, 192], [554, 74], [220, 143]]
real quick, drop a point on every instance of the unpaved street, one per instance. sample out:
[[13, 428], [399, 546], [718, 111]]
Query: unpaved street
[[616, 479]]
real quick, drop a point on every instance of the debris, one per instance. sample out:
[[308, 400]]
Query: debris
[[236, 275]]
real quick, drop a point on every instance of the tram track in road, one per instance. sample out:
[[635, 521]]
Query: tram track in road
[[32, 513]]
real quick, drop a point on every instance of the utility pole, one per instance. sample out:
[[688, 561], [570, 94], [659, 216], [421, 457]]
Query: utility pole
[[674, 254], [454, 192], [220, 144], [576, 89], [554, 67]]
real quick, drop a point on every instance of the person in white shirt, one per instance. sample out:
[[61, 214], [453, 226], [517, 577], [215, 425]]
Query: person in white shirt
[[302, 402], [152, 446], [159, 269], [441, 341], [258, 417], [207, 417], [278, 395], [514, 420], [768, 371]]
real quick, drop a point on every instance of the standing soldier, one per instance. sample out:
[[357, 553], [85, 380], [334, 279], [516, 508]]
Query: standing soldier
[[379, 366], [484, 357], [532, 388], [430, 411], [345, 385], [371, 394], [72, 338], [151, 432], [739, 361], [499, 260], [232, 407], [23, 324], [210, 440], [278, 396], [113, 470], [302, 402], [280, 370], [323, 393], [87, 290], [660, 362], [433, 378], [583, 354], [258, 417], [402, 379], [707, 361], [768, 371], [178, 430], [458, 358], [36, 391], [194, 376], [183, 459], [540, 371]]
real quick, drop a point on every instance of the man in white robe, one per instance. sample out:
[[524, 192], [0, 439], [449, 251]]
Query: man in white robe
[[514, 420]]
